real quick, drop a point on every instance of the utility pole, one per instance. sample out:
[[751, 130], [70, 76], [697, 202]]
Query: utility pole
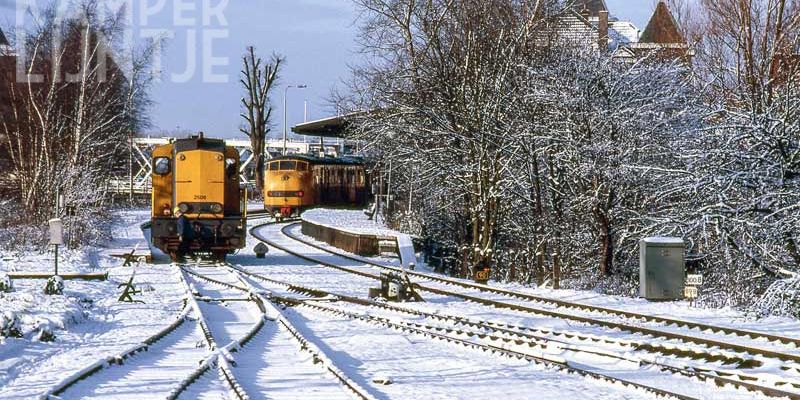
[[130, 168]]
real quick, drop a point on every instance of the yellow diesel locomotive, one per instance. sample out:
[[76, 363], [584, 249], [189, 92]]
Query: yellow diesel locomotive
[[297, 182], [197, 206]]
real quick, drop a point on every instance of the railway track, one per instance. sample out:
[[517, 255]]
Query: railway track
[[181, 352], [535, 344], [790, 347], [189, 348], [311, 294], [710, 344], [284, 328], [694, 325]]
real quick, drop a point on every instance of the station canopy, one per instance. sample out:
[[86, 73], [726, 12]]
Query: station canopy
[[326, 127]]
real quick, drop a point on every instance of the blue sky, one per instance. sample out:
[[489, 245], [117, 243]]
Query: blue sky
[[316, 36]]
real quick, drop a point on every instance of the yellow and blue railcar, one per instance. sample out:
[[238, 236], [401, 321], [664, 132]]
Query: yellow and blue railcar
[[296, 182]]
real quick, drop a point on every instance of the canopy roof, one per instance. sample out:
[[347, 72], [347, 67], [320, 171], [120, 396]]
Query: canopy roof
[[327, 127]]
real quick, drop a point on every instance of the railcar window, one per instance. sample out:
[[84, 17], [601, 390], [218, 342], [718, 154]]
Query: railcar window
[[161, 165], [273, 166], [302, 166], [288, 165]]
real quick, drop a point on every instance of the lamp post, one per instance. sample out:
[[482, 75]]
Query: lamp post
[[284, 112]]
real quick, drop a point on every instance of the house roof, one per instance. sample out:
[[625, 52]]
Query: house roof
[[3, 40], [662, 27], [593, 6]]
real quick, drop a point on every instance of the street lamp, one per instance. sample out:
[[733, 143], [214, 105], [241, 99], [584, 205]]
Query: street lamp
[[284, 112]]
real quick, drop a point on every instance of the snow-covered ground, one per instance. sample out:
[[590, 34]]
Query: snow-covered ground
[[680, 309], [90, 325]]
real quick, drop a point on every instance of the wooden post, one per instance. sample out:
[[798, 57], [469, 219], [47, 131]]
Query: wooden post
[[539, 267], [389, 192], [556, 272]]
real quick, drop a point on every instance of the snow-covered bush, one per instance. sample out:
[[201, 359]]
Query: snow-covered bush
[[9, 325], [44, 330], [55, 285], [782, 298], [5, 283]]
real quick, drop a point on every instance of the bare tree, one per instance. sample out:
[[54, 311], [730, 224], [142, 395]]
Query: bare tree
[[749, 159], [258, 79], [71, 113], [445, 73], [521, 151]]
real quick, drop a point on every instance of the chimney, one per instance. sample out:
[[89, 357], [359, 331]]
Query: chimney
[[602, 30], [585, 13]]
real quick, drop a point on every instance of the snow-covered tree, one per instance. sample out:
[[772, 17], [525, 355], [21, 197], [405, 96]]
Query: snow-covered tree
[[74, 105]]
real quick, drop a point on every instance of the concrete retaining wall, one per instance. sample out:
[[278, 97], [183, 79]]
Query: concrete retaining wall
[[361, 244]]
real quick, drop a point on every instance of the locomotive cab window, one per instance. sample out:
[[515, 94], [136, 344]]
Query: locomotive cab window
[[288, 165], [302, 166], [230, 167], [161, 165], [273, 166]]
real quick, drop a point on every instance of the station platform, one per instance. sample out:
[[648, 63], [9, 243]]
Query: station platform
[[353, 231]]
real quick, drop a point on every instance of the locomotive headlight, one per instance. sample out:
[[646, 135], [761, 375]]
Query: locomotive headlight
[[183, 207], [227, 230], [300, 194], [216, 208]]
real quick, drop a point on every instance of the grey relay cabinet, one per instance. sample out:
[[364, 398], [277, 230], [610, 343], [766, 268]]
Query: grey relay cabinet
[[661, 268]]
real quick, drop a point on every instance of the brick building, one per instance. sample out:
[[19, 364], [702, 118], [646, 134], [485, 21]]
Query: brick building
[[589, 22], [663, 36], [7, 68]]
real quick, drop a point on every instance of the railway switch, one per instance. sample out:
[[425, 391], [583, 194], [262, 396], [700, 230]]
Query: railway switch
[[395, 287]]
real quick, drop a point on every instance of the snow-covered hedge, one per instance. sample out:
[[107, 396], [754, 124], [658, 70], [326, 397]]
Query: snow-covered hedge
[[9, 325], [55, 285], [44, 330], [782, 298], [5, 283]]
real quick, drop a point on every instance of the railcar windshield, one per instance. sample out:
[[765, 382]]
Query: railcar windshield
[[273, 166], [288, 165]]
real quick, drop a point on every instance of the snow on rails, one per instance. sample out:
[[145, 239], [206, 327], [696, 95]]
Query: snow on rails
[[695, 354]]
